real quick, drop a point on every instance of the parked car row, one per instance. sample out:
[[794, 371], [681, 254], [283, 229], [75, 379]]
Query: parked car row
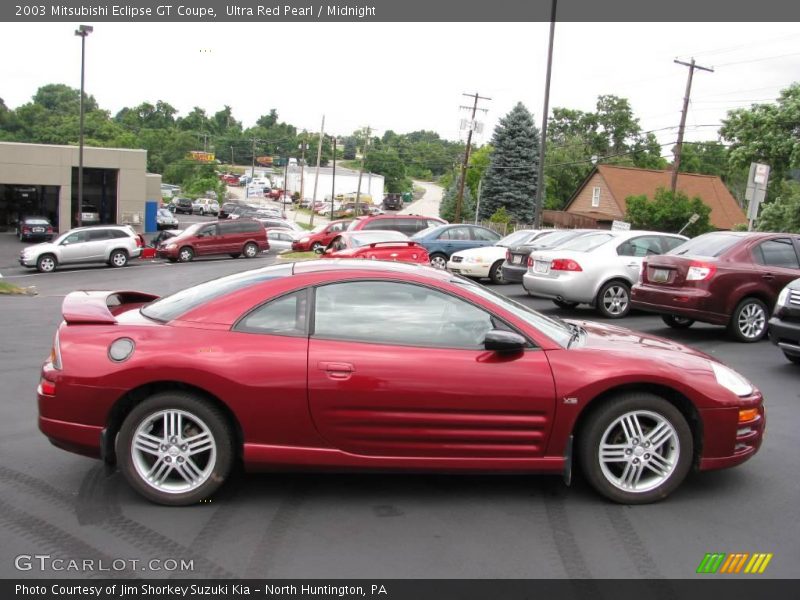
[[110, 244]]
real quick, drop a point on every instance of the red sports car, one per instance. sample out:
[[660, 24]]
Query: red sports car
[[378, 365], [320, 237], [376, 245]]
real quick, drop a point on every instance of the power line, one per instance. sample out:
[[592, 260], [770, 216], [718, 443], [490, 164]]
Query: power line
[[472, 125], [752, 60]]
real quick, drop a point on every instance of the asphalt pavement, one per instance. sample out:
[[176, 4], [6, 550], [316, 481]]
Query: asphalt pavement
[[379, 525]]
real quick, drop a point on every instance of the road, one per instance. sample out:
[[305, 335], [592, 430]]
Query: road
[[428, 205], [380, 525]]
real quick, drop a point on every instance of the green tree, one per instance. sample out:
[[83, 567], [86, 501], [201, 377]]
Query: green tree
[[708, 158], [387, 162], [479, 161], [783, 213], [667, 212], [510, 179], [349, 148], [447, 207]]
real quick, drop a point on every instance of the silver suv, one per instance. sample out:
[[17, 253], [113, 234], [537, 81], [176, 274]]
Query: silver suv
[[111, 244]]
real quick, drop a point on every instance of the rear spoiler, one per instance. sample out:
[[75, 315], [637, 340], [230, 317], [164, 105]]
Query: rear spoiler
[[94, 307], [395, 243]]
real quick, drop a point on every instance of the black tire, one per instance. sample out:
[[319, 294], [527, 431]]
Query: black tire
[[677, 322], [438, 261], [216, 465], [614, 299], [496, 273], [792, 358], [172, 260], [202, 212], [250, 250], [565, 304], [749, 321], [46, 263], [676, 450], [118, 258], [186, 254], [236, 255]]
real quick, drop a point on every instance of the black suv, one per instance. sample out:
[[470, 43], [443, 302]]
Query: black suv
[[784, 326], [393, 201], [182, 205]]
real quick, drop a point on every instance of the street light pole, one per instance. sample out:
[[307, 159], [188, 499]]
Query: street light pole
[[82, 31]]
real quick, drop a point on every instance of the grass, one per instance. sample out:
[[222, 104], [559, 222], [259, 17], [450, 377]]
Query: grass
[[11, 289], [298, 256]]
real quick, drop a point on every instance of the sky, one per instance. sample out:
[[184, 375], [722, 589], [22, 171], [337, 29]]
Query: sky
[[409, 76]]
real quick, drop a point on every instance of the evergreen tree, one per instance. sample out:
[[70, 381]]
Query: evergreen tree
[[510, 180], [447, 207]]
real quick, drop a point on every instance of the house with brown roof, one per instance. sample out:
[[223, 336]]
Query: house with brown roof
[[602, 195]]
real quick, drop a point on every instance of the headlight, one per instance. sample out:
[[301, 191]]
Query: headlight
[[731, 380], [305, 240], [783, 297], [473, 259]]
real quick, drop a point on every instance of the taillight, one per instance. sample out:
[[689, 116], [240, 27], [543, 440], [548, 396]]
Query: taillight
[[508, 255], [699, 271], [139, 242], [49, 230], [642, 271], [530, 262], [47, 388], [26, 230], [564, 264]]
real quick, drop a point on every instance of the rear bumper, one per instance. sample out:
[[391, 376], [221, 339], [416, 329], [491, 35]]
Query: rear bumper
[[685, 302], [786, 335], [514, 273], [566, 286]]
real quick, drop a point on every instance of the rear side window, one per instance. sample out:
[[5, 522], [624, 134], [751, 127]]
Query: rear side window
[[98, 235], [641, 246], [382, 224], [777, 253], [485, 235], [709, 245], [285, 316]]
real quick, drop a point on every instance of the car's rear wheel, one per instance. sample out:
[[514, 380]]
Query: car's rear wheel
[[614, 300], [250, 250], [439, 261], [792, 358], [636, 448], [186, 254], [175, 448], [565, 304], [46, 263], [749, 320], [496, 273], [677, 322], [118, 258]]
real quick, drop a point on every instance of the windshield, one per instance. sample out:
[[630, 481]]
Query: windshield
[[556, 238], [586, 243], [164, 212], [556, 329], [170, 307], [708, 245]]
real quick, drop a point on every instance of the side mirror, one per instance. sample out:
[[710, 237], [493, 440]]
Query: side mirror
[[504, 342]]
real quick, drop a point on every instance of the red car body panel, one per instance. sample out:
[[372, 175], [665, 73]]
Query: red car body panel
[[737, 275], [323, 237], [301, 402], [410, 252]]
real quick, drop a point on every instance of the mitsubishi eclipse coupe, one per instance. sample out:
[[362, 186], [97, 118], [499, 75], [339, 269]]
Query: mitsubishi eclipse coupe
[[372, 365]]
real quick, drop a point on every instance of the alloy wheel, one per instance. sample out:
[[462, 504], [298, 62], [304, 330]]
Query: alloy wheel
[[439, 262], [615, 300], [752, 321]]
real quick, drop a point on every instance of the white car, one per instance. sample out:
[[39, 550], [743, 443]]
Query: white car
[[487, 261], [281, 239], [205, 206], [597, 268]]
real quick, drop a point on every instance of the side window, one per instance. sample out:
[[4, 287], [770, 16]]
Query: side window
[[431, 223], [777, 253], [284, 316], [376, 224], [98, 235], [485, 235], [385, 312], [455, 233], [337, 227], [669, 242], [225, 227], [75, 238], [640, 247]]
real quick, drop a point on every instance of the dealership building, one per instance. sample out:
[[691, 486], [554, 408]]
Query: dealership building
[[42, 180]]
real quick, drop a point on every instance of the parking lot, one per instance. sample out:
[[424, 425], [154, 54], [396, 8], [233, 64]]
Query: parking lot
[[380, 525]]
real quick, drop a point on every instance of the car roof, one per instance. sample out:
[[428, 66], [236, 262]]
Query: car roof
[[348, 265]]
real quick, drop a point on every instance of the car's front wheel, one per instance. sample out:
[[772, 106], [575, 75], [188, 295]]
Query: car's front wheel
[[636, 448], [677, 322], [186, 254], [250, 250], [46, 263], [749, 320], [118, 258], [439, 261], [316, 246], [175, 448]]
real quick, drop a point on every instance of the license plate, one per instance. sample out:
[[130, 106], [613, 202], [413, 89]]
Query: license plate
[[517, 259], [38, 230], [541, 266], [659, 275]]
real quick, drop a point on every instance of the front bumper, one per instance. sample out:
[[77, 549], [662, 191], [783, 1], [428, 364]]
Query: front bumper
[[785, 334], [685, 302], [732, 443], [468, 269], [28, 261]]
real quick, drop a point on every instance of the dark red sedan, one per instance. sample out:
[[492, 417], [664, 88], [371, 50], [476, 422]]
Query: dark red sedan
[[376, 365], [376, 245], [725, 278]]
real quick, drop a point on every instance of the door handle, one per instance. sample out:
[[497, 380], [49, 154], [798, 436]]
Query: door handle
[[633, 264], [768, 276], [336, 370]]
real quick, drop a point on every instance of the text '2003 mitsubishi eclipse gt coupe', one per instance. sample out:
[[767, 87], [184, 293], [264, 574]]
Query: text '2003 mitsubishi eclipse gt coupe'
[[333, 369]]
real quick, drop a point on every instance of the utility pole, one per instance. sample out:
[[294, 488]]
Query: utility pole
[[252, 172], [539, 201], [316, 176], [361, 171], [677, 162], [460, 197], [231, 155], [302, 173], [478, 203], [333, 184]]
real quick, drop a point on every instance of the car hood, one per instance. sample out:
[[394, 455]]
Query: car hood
[[613, 338], [491, 253], [38, 248]]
